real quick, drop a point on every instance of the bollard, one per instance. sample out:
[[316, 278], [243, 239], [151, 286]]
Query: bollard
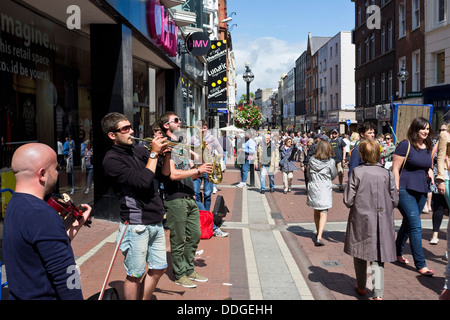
[[252, 175]]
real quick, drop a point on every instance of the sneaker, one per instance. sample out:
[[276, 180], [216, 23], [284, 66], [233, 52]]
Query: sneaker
[[195, 276], [434, 241], [185, 282], [219, 233], [72, 192], [87, 191], [214, 190]]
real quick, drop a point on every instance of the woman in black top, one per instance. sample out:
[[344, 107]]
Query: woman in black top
[[411, 176]]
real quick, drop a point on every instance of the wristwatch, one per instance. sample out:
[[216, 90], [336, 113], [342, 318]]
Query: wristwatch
[[153, 155]]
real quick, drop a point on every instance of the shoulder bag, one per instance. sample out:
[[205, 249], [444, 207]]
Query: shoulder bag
[[406, 157]]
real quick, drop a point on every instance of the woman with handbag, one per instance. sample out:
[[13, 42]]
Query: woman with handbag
[[411, 167], [287, 163], [370, 235]]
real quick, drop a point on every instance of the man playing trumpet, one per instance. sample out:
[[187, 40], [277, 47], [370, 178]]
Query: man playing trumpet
[[132, 170]]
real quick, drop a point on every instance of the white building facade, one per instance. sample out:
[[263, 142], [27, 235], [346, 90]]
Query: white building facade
[[340, 82]]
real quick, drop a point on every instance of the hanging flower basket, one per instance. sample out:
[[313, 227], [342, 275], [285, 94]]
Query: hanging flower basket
[[247, 117]]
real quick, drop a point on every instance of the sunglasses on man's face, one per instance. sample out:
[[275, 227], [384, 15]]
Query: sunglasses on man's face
[[123, 130], [174, 120]]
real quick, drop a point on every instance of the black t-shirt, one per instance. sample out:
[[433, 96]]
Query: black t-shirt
[[337, 145]]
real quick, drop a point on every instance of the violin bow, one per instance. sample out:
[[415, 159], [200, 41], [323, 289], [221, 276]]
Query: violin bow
[[102, 292]]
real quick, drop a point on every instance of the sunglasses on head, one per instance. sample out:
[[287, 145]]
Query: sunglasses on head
[[124, 129], [174, 120]]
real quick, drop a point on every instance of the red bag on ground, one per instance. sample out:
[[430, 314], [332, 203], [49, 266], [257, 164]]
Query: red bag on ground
[[206, 224]]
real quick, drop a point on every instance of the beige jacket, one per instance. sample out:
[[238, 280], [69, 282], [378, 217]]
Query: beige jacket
[[443, 152], [274, 157]]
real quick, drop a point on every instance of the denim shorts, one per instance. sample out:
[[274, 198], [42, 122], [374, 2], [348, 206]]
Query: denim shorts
[[141, 244]]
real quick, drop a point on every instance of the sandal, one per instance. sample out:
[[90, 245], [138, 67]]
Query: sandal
[[402, 260], [427, 273]]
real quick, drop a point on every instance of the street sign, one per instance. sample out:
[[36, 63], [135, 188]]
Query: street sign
[[198, 43], [349, 122]]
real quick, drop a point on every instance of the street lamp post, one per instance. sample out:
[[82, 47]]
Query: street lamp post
[[403, 75], [248, 77]]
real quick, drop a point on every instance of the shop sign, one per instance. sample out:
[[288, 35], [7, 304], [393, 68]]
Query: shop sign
[[217, 71], [330, 124], [359, 114], [369, 113], [198, 43], [414, 94], [161, 28], [383, 112]]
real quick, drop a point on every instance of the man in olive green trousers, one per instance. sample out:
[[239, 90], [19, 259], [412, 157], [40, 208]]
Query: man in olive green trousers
[[182, 214]]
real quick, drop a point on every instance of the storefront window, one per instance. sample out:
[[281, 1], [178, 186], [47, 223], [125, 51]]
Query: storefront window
[[44, 86], [141, 117]]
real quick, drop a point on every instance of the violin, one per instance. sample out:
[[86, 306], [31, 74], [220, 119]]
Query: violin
[[67, 209]]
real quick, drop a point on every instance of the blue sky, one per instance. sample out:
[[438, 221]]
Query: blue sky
[[271, 35]]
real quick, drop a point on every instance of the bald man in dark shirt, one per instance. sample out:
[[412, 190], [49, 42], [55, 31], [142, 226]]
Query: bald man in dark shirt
[[39, 260]]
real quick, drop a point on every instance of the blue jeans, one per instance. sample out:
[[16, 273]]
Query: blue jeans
[[410, 205], [207, 190], [245, 168], [265, 171], [90, 175]]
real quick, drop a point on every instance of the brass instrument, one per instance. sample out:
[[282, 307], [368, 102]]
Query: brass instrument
[[147, 143], [216, 175]]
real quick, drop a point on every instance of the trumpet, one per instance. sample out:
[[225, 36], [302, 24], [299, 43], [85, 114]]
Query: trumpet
[[147, 143]]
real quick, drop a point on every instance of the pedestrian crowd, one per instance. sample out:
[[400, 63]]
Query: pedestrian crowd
[[161, 186], [411, 175]]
